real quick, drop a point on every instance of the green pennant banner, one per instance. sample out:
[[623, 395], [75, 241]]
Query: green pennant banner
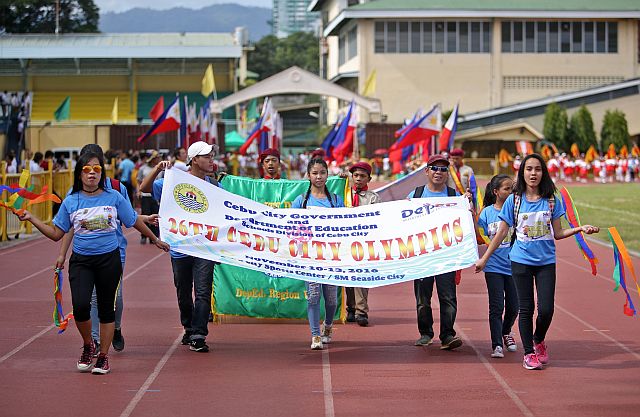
[[243, 292]]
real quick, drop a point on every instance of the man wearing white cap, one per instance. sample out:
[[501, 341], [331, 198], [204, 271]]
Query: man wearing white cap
[[190, 271]]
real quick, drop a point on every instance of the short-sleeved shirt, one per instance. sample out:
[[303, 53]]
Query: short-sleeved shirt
[[127, 167], [534, 243], [95, 220], [428, 193], [156, 193], [122, 241], [498, 262], [318, 202]]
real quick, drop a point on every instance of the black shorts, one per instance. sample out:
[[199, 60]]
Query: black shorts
[[102, 271]]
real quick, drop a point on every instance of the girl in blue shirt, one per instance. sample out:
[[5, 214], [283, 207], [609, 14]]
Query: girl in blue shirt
[[91, 210], [497, 272], [533, 258], [318, 195]]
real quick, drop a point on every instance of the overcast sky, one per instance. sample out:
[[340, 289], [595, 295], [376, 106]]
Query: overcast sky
[[120, 5]]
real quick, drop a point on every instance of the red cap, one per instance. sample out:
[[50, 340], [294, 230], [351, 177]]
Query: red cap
[[361, 165], [269, 152], [457, 152], [318, 153], [437, 158]]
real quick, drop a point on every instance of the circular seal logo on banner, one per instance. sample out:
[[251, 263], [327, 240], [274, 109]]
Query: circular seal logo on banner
[[190, 198]]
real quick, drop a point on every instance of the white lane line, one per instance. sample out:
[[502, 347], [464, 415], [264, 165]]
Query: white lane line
[[32, 338], [329, 411], [504, 384], [48, 268], [25, 344], [598, 274], [19, 247], [152, 377], [600, 332], [608, 209]]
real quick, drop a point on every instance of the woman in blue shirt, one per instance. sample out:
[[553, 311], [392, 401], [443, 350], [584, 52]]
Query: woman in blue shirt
[[500, 287], [91, 210], [534, 212], [318, 195]]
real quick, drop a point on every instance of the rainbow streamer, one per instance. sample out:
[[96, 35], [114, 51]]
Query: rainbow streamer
[[19, 193], [478, 202], [456, 180], [59, 319], [622, 258], [571, 214]]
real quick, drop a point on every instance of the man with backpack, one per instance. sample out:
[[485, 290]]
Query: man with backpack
[[437, 172]]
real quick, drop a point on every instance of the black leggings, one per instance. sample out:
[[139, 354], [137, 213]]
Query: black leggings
[[102, 271], [502, 299], [545, 280]]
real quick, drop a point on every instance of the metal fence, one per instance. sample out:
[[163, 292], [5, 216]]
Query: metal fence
[[58, 182]]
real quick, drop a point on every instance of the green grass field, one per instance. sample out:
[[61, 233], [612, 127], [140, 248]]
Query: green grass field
[[606, 205]]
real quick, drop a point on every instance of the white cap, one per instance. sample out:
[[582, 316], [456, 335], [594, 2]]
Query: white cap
[[197, 149]]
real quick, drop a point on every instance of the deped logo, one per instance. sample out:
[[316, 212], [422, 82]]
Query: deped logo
[[190, 198], [425, 209]]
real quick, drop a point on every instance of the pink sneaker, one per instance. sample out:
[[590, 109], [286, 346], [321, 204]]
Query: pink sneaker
[[531, 362], [541, 352]]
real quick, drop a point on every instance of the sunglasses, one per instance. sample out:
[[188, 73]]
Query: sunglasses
[[92, 168], [437, 168]]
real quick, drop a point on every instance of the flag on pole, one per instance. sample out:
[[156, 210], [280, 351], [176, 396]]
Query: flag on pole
[[449, 131], [157, 109], [421, 130], [208, 82], [258, 128], [114, 112], [418, 114], [370, 85], [344, 137], [168, 121], [182, 133], [63, 110]]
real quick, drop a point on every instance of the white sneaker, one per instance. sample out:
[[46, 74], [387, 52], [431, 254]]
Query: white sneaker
[[497, 352], [326, 332], [316, 343], [510, 342]]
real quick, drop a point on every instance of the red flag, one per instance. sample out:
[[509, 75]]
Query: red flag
[[169, 120], [157, 109]]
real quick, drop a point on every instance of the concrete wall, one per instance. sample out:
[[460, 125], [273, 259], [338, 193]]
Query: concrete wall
[[480, 81], [68, 136]]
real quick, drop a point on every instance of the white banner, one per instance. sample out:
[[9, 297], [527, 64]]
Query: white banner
[[366, 246]]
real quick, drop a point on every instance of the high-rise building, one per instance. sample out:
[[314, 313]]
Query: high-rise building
[[291, 16]]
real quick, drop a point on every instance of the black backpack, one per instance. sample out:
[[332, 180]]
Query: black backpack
[[417, 193]]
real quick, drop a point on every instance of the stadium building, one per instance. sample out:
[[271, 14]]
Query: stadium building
[[503, 61], [94, 69]]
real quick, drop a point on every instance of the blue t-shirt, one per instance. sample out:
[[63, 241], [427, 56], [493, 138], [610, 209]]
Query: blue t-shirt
[[156, 193], [428, 193], [498, 262], [534, 243], [122, 241], [127, 167], [94, 220], [318, 202]]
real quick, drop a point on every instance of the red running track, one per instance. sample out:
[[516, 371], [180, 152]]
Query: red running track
[[268, 369]]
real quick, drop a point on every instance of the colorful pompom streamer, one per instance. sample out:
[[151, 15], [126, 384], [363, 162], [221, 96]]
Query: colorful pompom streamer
[[15, 201], [571, 214], [622, 258], [59, 319]]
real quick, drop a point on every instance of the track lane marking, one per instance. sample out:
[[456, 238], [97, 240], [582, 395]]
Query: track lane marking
[[144, 388], [329, 410], [45, 330]]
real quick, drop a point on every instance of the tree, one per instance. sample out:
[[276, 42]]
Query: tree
[[581, 130], [39, 16], [555, 128], [272, 55], [614, 130]]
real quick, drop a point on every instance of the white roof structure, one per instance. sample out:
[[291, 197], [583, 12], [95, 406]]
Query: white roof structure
[[120, 45]]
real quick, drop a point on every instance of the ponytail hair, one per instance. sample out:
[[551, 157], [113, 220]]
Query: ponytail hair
[[494, 184]]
